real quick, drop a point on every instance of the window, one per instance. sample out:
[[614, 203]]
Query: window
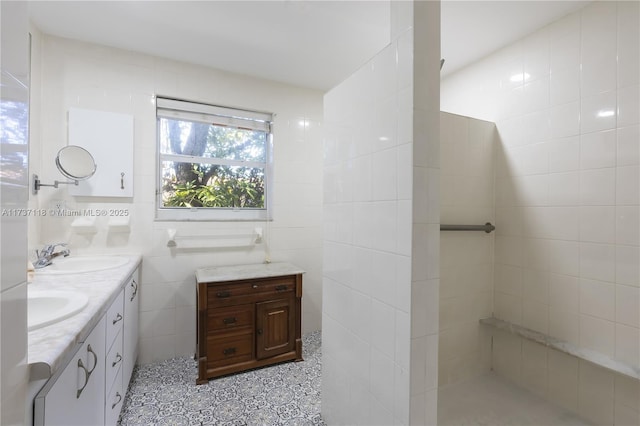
[[214, 163]]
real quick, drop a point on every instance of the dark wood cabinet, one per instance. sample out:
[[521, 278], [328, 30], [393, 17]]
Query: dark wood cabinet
[[247, 323]]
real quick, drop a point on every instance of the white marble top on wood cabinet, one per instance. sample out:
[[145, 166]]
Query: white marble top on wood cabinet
[[245, 272]]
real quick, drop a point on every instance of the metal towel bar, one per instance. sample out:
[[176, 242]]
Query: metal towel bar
[[487, 227]]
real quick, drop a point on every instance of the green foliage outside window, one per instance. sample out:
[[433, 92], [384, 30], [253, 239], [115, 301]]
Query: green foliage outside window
[[192, 184]]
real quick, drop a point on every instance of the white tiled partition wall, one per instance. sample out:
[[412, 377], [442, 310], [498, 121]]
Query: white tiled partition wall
[[82, 75], [381, 236], [466, 258], [14, 150], [566, 104]]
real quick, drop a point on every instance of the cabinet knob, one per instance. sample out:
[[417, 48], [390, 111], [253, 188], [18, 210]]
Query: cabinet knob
[[223, 294], [229, 351], [259, 331], [281, 288], [254, 286]]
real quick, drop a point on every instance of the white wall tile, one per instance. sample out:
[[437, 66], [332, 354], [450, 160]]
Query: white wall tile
[[564, 87], [595, 393], [627, 271], [563, 292], [598, 299], [534, 367], [598, 53], [628, 106], [628, 152], [628, 36], [628, 185], [628, 344], [628, 305], [563, 379], [598, 187], [565, 120], [597, 261], [598, 112], [628, 225], [598, 150], [598, 224], [564, 189], [564, 154]]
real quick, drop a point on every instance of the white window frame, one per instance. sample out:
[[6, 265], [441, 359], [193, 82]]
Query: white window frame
[[231, 117]]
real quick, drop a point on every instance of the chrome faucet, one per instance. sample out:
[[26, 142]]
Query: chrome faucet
[[47, 254]]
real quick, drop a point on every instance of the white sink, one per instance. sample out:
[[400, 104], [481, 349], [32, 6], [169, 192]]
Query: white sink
[[45, 307], [76, 265]]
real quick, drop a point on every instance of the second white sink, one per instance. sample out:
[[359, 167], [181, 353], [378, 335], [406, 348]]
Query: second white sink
[[45, 307], [80, 264]]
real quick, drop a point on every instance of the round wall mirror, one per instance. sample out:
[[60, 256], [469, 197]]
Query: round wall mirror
[[75, 162]]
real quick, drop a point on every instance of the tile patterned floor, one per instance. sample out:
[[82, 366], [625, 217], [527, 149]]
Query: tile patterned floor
[[286, 394]]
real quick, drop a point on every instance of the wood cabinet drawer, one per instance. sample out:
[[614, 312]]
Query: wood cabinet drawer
[[246, 291], [230, 349], [230, 317]]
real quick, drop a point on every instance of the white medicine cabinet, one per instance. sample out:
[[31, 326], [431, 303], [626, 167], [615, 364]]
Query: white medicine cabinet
[[108, 136]]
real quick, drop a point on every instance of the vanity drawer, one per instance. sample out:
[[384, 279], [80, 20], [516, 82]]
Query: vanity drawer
[[114, 361], [229, 349], [230, 317], [114, 400], [115, 317], [246, 291]]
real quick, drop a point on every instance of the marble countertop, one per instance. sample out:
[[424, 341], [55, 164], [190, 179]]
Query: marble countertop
[[50, 346], [244, 272]]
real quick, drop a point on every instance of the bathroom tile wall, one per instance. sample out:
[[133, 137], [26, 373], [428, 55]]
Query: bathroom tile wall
[[14, 150], [466, 258], [380, 288], [566, 104], [82, 75]]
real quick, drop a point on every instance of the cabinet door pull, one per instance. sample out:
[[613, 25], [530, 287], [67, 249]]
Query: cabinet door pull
[[119, 398], [95, 359], [86, 377], [122, 180], [223, 294], [228, 321], [229, 351], [118, 359], [118, 318], [134, 285], [281, 288]]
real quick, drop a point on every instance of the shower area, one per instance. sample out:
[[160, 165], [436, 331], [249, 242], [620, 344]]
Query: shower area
[[534, 323], [539, 320]]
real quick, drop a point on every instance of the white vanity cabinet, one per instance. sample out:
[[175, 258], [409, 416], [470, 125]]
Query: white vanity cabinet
[[104, 362], [71, 398]]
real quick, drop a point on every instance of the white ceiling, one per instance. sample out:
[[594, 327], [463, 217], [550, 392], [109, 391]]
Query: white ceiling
[[307, 43]]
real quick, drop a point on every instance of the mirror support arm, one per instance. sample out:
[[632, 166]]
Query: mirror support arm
[[37, 184]]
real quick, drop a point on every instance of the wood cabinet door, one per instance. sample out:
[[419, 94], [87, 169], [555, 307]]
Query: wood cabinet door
[[275, 327]]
